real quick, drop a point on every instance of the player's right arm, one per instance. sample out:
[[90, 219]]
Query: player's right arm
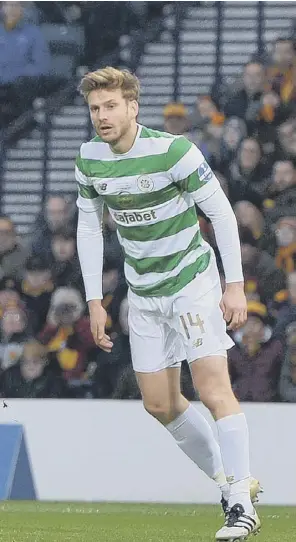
[[90, 249], [190, 171]]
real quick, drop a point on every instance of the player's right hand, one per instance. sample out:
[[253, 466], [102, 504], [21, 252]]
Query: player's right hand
[[98, 318]]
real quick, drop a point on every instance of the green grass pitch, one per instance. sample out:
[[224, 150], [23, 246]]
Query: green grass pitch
[[100, 522]]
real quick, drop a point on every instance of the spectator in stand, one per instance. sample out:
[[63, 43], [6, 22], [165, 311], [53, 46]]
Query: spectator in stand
[[288, 373], [15, 332], [247, 102], [67, 333], [24, 59], [282, 189], [287, 140], [12, 254], [206, 112], [287, 314], [58, 213], [63, 260], [255, 360], [281, 75], [207, 128], [175, 118], [248, 174], [249, 216], [234, 131], [258, 105], [263, 280], [9, 297], [36, 289], [34, 376], [286, 243]]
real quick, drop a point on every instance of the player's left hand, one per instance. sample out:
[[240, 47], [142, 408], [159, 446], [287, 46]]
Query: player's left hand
[[234, 305]]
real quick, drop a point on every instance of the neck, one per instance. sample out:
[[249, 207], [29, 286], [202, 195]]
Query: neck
[[126, 142]]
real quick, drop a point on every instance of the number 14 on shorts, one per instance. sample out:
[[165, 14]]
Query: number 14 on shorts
[[189, 321]]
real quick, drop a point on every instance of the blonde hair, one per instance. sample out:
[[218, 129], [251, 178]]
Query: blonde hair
[[111, 79]]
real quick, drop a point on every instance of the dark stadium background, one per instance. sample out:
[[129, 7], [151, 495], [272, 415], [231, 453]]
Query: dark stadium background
[[222, 73]]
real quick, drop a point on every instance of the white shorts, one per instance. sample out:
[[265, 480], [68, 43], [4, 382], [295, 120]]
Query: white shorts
[[187, 325]]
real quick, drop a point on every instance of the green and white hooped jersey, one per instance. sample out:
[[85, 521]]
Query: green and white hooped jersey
[[151, 193]]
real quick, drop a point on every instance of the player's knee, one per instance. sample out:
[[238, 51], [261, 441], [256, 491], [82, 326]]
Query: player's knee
[[217, 401], [162, 411]]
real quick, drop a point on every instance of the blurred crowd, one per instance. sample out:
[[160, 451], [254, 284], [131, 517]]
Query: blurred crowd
[[247, 132], [28, 63]]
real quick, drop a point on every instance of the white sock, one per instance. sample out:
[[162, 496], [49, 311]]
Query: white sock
[[234, 444], [222, 483], [195, 437]]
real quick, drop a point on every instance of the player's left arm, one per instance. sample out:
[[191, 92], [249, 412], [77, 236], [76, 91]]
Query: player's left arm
[[190, 170]]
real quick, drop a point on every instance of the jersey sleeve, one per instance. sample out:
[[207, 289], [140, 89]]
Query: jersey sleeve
[[88, 199], [189, 169]]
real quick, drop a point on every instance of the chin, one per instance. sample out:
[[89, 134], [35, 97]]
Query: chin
[[110, 140], [107, 139]]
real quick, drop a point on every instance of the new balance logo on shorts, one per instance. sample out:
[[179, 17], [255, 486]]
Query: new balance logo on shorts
[[129, 218]]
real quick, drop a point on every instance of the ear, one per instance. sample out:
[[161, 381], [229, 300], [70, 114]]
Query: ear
[[134, 108]]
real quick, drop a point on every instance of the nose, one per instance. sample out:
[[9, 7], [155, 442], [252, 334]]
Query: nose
[[102, 115]]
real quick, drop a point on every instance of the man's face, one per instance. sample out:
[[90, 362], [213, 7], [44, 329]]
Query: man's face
[[283, 54], [13, 321], [12, 10], [63, 249], [111, 114], [287, 133], [33, 363], [38, 278], [253, 78], [206, 108], [249, 154], [232, 134], [7, 235], [248, 215], [283, 175], [253, 330], [285, 231], [175, 125], [65, 314], [56, 213]]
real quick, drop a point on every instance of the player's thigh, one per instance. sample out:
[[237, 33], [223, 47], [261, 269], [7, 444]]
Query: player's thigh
[[210, 376], [200, 322], [156, 352]]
